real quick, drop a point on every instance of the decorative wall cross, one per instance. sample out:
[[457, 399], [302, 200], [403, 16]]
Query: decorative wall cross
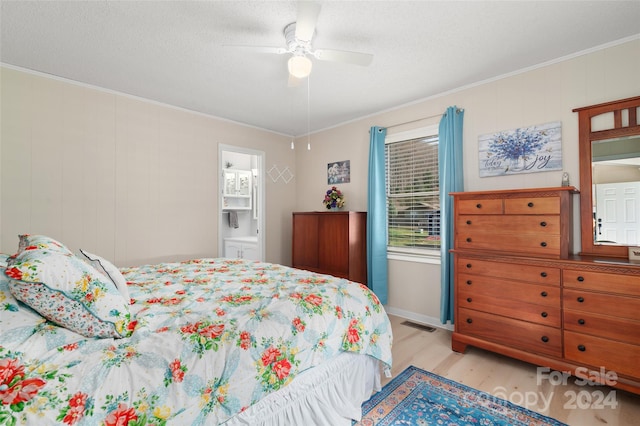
[[275, 173]]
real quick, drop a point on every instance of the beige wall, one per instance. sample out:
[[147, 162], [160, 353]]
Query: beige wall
[[540, 95], [135, 181], [612, 174], [130, 180]]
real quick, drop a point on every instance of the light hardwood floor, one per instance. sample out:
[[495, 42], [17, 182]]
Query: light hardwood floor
[[511, 379]]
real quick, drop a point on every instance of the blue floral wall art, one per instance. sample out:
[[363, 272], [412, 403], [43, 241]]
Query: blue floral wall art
[[524, 150]]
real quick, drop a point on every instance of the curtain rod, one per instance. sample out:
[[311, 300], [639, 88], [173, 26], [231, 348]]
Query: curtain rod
[[420, 119]]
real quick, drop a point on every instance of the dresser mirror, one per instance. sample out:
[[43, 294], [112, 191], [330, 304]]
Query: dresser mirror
[[609, 146]]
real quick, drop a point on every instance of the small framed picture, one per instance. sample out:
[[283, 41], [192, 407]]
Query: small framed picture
[[339, 172]]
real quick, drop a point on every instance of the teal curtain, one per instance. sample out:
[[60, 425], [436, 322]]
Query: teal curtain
[[451, 180], [377, 216]]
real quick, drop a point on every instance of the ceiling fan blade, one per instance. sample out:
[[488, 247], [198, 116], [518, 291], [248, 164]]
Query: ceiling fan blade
[[260, 49], [308, 13], [355, 58]]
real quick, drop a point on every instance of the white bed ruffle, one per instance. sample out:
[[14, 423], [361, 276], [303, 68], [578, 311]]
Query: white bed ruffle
[[330, 394]]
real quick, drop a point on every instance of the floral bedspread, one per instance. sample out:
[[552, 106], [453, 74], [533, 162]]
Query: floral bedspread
[[213, 336]]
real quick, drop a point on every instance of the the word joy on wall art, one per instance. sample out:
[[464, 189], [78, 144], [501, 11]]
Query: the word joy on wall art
[[524, 150]]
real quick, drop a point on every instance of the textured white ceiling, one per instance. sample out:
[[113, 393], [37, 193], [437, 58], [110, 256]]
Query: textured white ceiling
[[174, 51]]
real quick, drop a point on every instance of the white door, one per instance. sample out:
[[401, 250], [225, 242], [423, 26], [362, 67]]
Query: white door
[[617, 217]]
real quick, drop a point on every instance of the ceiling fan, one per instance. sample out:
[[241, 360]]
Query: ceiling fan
[[298, 41]]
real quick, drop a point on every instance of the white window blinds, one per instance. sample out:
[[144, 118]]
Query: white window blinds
[[413, 199]]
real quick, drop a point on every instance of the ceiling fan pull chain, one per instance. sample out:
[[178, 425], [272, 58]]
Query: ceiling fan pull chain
[[308, 114]]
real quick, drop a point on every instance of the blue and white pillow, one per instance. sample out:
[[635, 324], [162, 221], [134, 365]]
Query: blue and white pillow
[[67, 291], [40, 242]]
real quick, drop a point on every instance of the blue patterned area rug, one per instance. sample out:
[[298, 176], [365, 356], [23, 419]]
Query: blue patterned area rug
[[417, 397]]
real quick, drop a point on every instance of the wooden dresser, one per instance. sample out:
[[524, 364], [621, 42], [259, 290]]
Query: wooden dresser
[[520, 293], [333, 243]]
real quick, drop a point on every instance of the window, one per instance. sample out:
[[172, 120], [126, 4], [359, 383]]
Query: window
[[413, 196]]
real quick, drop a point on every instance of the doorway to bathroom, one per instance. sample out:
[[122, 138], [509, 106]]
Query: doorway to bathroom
[[241, 203]]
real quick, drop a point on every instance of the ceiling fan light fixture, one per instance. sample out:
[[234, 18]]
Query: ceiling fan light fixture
[[299, 66]]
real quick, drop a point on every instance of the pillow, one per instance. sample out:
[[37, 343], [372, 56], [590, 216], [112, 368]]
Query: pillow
[[69, 292], [22, 329], [109, 270], [40, 242]]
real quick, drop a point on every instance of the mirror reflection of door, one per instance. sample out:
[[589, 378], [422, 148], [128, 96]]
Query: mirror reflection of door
[[616, 191], [617, 213], [241, 212]]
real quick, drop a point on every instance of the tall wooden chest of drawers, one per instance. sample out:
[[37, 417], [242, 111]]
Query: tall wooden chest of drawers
[[519, 292], [534, 222], [514, 305]]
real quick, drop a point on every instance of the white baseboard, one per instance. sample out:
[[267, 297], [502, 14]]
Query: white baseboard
[[423, 319]]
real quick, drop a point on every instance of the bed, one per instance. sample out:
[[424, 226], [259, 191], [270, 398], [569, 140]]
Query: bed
[[198, 342]]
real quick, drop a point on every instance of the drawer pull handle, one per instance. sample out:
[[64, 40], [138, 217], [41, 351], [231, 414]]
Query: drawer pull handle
[[468, 282], [468, 240], [543, 224], [478, 206], [580, 278], [580, 299], [543, 274], [582, 348], [468, 222], [544, 315], [545, 339], [529, 204], [469, 320], [543, 244], [469, 299], [581, 321], [468, 266], [544, 294]]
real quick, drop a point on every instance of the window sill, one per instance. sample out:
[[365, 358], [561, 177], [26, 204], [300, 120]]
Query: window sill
[[412, 256]]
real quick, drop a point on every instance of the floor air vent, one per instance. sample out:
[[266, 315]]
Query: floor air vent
[[419, 326]]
